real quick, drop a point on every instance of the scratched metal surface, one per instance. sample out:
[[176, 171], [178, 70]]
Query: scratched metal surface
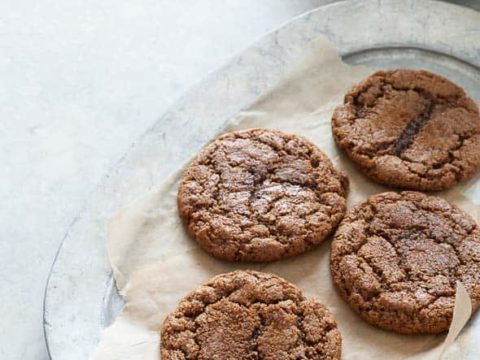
[[80, 297]]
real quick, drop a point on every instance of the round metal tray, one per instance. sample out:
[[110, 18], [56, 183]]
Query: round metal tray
[[80, 297]]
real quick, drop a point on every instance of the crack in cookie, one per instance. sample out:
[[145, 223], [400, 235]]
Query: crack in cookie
[[412, 129]]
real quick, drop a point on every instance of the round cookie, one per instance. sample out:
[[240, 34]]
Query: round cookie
[[261, 195], [396, 258], [247, 315], [410, 129]]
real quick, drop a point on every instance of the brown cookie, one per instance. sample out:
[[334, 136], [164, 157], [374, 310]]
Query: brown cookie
[[410, 129], [261, 195], [247, 315], [395, 259]]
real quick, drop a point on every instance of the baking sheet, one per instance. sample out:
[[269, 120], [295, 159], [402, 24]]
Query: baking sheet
[[155, 263]]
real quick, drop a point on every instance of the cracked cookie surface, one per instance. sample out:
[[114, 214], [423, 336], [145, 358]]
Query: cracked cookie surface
[[248, 315], [410, 129], [261, 195], [396, 258]]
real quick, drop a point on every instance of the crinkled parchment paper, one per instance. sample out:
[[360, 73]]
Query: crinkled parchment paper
[[156, 264]]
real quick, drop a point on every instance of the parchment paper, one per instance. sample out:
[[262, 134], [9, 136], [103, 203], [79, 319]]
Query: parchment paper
[[155, 263]]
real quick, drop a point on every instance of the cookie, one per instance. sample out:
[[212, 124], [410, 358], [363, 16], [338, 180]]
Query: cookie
[[396, 258], [248, 315], [261, 195], [410, 129]]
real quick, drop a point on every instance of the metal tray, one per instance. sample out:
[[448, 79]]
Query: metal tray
[[80, 298]]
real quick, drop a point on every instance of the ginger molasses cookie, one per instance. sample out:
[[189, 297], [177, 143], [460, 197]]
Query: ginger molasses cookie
[[261, 195], [410, 129], [245, 315], [396, 258]]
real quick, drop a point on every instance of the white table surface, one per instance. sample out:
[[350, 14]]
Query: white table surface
[[80, 80]]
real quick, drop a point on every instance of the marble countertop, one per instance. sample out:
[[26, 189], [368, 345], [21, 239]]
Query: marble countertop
[[79, 82]]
